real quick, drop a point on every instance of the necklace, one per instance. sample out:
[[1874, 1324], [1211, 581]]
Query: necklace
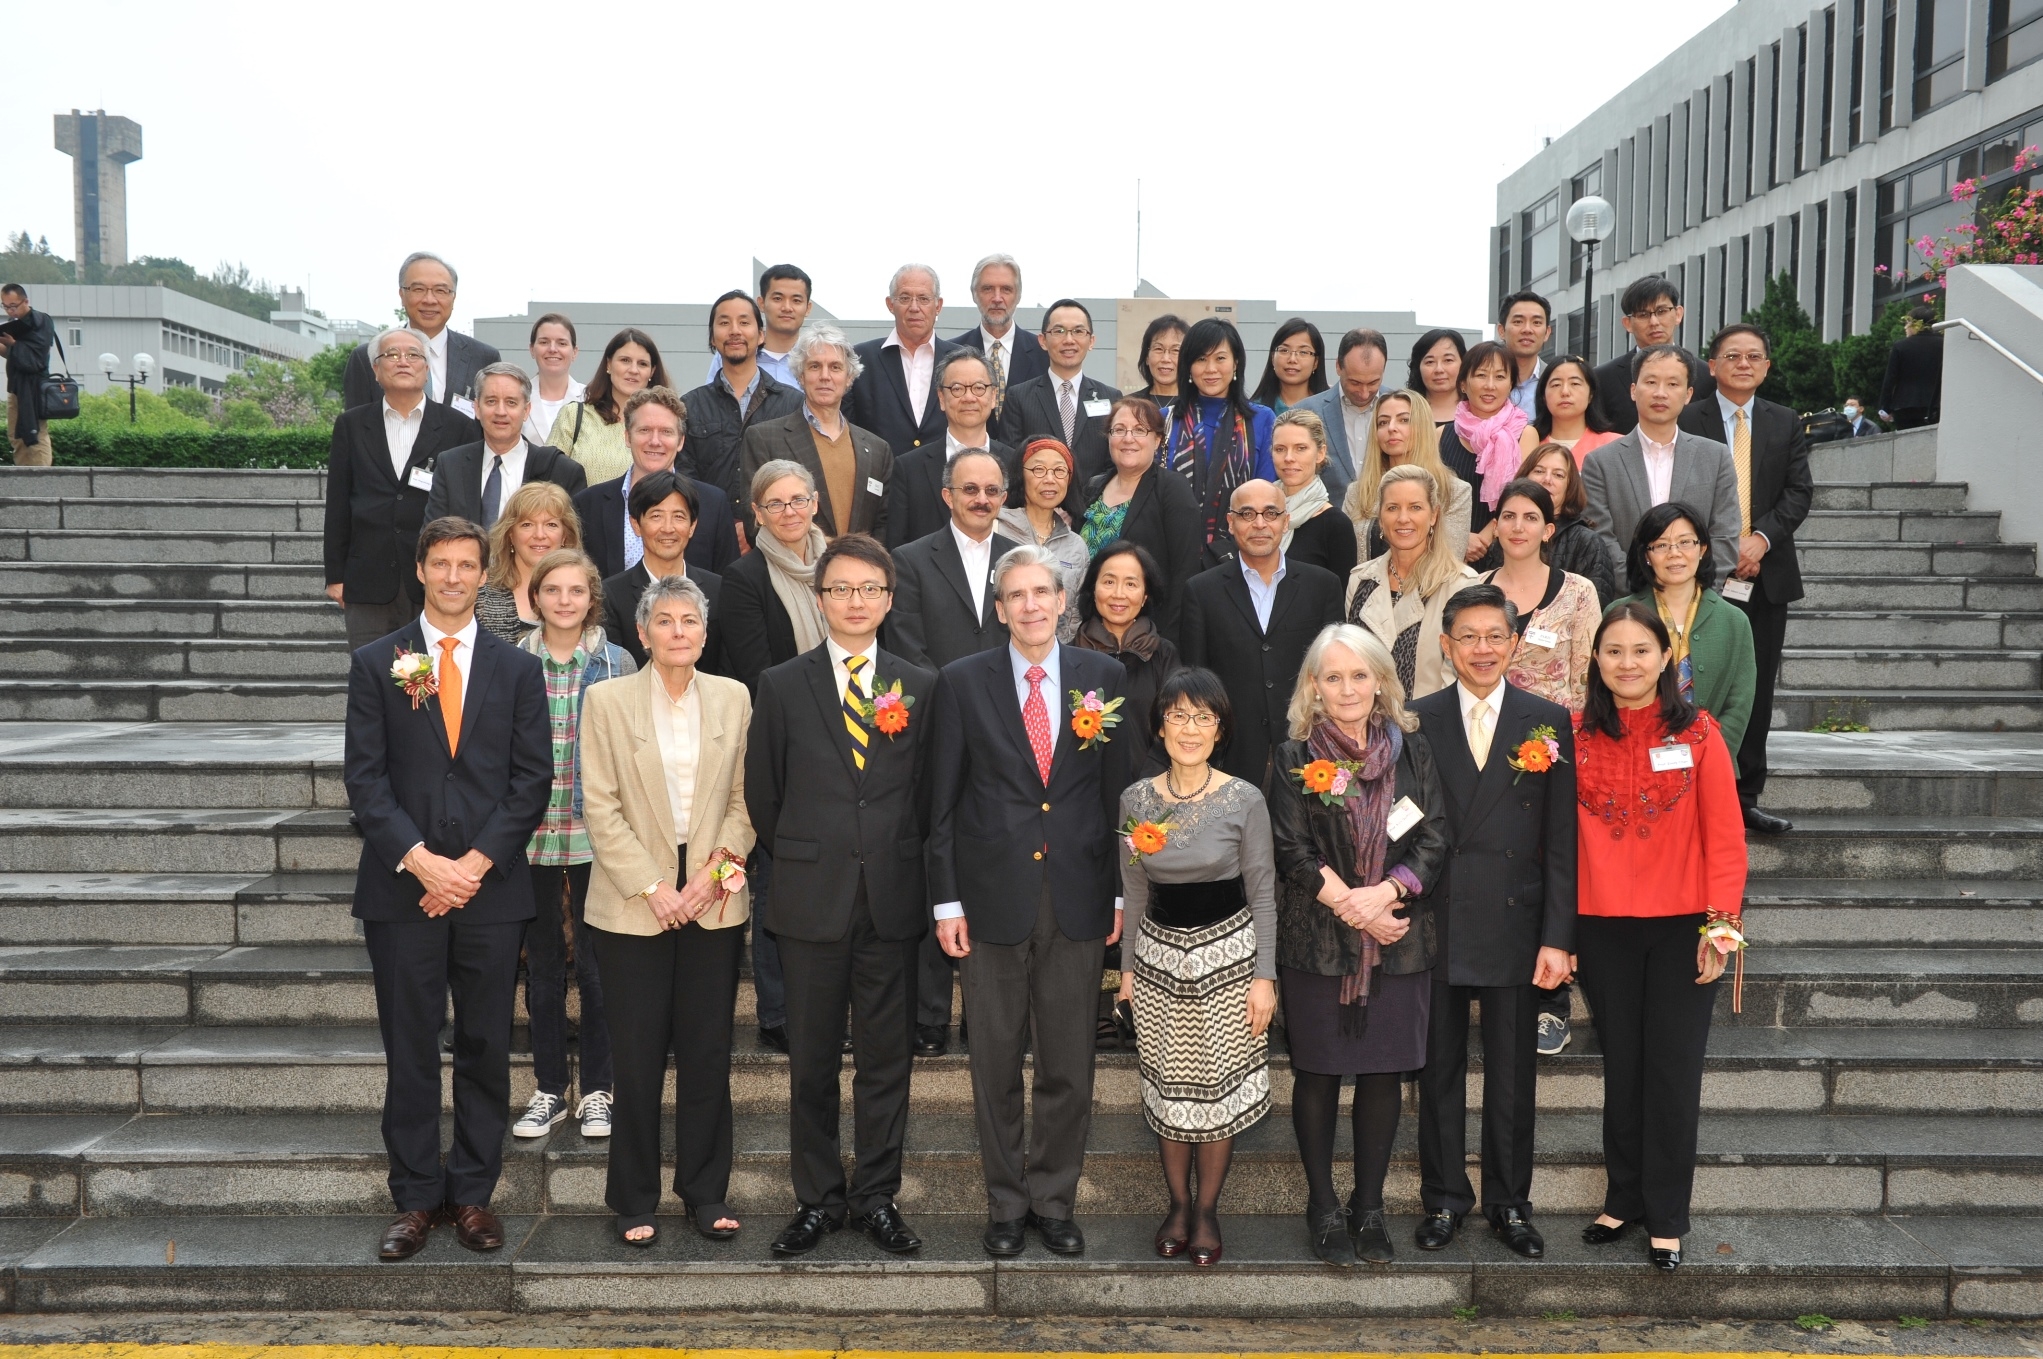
[[1170, 783]]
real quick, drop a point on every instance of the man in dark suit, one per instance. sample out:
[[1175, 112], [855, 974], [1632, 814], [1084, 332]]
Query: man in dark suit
[[1652, 317], [1359, 362], [1012, 354], [653, 423], [851, 465], [915, 507], [1504, 912], [503, 398], [738, 395], [1024, 869], [379, 473], [1063, 403], [1250, 619], [848, 905], [664, 508], [895, 394], [1912, 392], [1855, 416], [1775, 490], [425, 286], [448, 770]]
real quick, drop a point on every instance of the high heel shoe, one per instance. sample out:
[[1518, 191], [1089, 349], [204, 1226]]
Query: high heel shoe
[[1170, 1247], [1602, 1234], [1203, 1256]]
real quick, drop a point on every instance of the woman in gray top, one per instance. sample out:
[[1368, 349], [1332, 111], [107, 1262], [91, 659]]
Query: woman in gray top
[[1200, 890]]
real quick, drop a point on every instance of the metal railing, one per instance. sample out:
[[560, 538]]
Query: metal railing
[[1976, 333]]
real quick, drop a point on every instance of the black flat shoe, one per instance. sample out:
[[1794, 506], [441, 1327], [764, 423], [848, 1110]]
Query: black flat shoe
[[1516, 1231], [1003, 1239], [932, 1040], [1372, 1237], [1664, 1260], [1329, 1234], [626, 1224], [1436, 1230], [1597, 1234], [705, 1215], [1060, 1234], [889, 1231], [805, 1232], [774, 1036]]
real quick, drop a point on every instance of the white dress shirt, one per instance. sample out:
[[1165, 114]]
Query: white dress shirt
[[841, 673], [436, 364], [401, 432], [1262, 595], [1659, 467], [679, 729], [918, 367], [978, 566], [989, 342], [539, 421], [464, 661], [1355, 420], [514, 472], [1469, 703], [953, 445]]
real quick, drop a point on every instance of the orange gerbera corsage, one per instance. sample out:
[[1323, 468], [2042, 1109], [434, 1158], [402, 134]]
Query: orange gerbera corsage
[[1537, 753], [887, 711], [1318, 777], [1092, 718], [1144, 837]]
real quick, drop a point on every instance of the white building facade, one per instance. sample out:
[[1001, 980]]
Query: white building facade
[[193, 343]]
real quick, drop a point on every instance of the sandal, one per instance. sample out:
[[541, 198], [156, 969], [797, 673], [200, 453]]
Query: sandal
[[705, 1217], [629, 1224]]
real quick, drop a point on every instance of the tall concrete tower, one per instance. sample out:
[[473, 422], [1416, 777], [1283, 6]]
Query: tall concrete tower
[[101, 148]]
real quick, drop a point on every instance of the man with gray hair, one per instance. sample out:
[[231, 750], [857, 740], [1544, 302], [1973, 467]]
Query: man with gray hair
[[896, 396], [1011, 353], [475, 481], [425, 286], [851, 466]]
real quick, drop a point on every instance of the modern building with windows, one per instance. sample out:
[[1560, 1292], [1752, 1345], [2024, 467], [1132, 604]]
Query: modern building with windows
[[1818, 142], [194, 343]]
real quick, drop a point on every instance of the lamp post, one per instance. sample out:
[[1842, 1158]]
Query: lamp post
[[138, 378], [1590, 222]]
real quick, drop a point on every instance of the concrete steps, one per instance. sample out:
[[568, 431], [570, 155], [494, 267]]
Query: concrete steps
[[172, 700], [160, 580], [160, 513], [108, 546]]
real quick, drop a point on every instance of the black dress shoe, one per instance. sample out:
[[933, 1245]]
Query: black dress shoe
[[1766, 823], [1329, 1234], [774, 1036], [889, 1230], [805, 1232], [1515, 1230], [1597, 1234], [932, 1040], [1006, 1238], [1436, 1230], [1663, 1259], [1060, 1234]]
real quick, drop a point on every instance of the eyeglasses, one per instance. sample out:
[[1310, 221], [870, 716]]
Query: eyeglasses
[[439, 291], [1267, 515], [1306, 355], [1056, 471], [798, 503], [973, 492], [1126, 431], [1166, 351], [958, 390], [1666, 545], [400, 356], [1496, 641], [1659, 313], [869, 591], [1742, 357], [1068, 332], [1197, 721]]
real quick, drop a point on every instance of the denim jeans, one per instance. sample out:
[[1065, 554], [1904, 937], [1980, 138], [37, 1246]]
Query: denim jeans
[[546, 984]]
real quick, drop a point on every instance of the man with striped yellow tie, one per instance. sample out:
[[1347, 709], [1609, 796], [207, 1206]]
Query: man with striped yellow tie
[[835, 781]]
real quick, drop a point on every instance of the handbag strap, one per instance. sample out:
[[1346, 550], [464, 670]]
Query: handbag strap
[[60, 348]]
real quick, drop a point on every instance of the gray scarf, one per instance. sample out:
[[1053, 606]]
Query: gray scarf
[[1304, 506], [794, 582]]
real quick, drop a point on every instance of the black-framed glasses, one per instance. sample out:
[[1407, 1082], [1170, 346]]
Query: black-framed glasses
[[869, 591], [1269, 515]]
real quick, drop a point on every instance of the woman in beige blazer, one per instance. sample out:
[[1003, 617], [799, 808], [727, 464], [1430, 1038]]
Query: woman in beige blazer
[[1400, 595], [663, 781]]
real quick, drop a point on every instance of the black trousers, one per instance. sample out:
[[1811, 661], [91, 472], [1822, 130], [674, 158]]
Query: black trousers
[[933, 972], [1654, 1023], [670, 992], [1914, 417], [1510, 1030], [1769, 634], [546, 981], [416, 964], [875, 977]]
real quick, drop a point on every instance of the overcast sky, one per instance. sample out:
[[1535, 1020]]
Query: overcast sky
[[1335, 155]]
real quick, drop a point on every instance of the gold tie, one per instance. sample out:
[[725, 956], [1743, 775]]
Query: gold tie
[[854, 720], [449, 684], [1741, 457], [1479, 734]]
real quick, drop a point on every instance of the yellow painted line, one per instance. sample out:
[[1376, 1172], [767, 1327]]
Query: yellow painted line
[[137, 1351]]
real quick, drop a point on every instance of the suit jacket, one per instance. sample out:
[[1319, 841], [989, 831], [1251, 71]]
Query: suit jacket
[[620, 612], [457, 479], [465, 356], [1030, 412], [1915, 373], [1782, 489], [1339, 472], [712, 547], [1705, 479], [1163, 516], [624, 799], [716, 428], [372, 514], [1509, 885], [1030, 358], [1259, 668], [405, 789], [932, 622], [915, 507], [1614, 390], [878, 401], [828, 824], [790, 437], [756, 631], [999, 837]]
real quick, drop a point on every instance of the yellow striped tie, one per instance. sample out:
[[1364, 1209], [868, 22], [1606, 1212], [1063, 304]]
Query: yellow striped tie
[[854, 722], [1741, 458]]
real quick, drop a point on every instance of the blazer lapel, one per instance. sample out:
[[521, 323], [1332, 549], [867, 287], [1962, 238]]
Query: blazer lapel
[[1458, 772], [1062, 739], [952, 563], [999, 679], [823, 684], [482, 664], [1497, 771], [652, 770], [1635, 472], [1237, 591], [896, 379], [414, 640], [1287, 595]]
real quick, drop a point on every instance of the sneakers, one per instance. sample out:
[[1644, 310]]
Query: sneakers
[[1553, 1034], [594, 1111], [541, 1116]]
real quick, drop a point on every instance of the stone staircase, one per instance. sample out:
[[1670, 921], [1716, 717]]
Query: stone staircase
[[190, 1073]]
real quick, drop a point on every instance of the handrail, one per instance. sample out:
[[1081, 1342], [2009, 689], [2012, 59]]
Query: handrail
[[1996, 345]]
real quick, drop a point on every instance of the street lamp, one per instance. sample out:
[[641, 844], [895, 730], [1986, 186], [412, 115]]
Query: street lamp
[[140, 377], [1590, 222]]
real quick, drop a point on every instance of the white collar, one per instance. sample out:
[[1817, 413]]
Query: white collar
[[894, 341], [418, 412], [1495, 702], [838, 655], [466, 636]]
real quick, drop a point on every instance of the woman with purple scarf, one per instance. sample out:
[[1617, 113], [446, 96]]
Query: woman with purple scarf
[[1360, 830]]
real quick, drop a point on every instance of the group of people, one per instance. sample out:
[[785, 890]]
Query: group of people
[[921, 659]]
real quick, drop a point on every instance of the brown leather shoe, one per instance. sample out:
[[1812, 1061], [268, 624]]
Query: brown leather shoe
[[476, 1227], [406, 1235]]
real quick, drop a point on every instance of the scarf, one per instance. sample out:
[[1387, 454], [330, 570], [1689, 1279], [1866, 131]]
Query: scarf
[[1681, 634], [794, 583], [1215, 472], [1140, 638], [593, 638], [1304, 506], [1494, 442], [1368, 815]]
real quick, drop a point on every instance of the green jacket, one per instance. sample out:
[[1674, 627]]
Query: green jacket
[[1725, 666]]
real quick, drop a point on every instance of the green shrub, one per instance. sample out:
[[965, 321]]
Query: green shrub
[[77, 443]]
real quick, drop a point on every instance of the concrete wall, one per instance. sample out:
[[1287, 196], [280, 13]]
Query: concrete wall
[[1992, 410]]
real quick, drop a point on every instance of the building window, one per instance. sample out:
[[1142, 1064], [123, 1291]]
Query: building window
[[1857, 127], [1540, 232], [77, 336], [1851, 258], [1829, 83], [1504, 261], [1916, 202], [1822, 260], [1802, 157], [1939, 52], [1773, 116], [1889, 23], [2014, 38], [1588, 184]]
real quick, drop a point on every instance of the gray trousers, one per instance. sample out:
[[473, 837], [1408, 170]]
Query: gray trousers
[[1047, 986], [367, 622]]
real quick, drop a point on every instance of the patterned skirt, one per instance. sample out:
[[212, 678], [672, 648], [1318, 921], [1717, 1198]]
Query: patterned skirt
[[1204, 1076]]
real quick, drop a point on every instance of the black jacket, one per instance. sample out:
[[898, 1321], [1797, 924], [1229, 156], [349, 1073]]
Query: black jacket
[[1163, 516], [826, 823], [457, 478], [1579, 548], [620, 613], [1915, 374], [372, 514], [1145, 677], [1614, 390], [712, 547], [756, 631], [466, 355], [1030, 358], [932, 623], [28, 363], [716, 428], [1326, 540], [915, 507], [1307, 833], [878, 401], [1030, 412], [1782, 489]]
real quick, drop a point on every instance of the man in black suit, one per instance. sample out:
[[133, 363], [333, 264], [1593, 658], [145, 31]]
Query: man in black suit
[[848, 905], [1775, 491], [1855, 416], [739, 394], [1652, 316], [1024, 868], [653, 423], [1504, 912], [895, 395], [915, 507], [1912, 391], [425, 286], [379, 473], [448, 770], [503, 398], [664, 508], [1012, 354], [1250, 619], [1063, 403]]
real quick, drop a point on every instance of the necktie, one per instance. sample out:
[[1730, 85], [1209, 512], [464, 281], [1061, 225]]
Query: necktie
[[999, 376], [1479, 734], [493, 490], [450, 692], [1741, 457], [854, 722], [1067, 408], [1036, 717]]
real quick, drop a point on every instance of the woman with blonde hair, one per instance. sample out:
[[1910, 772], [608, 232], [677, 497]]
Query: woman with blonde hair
[[1359, 826], [538, 519], [1319, 533], [1400, 434], [1400, 594]]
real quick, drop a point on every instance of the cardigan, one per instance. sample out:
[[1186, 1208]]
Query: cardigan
[[1558, 673], [1657, 843], [1722, 660], [600, 447]]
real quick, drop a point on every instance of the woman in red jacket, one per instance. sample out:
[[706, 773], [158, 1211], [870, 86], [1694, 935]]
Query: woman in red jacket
[[1661, 876]]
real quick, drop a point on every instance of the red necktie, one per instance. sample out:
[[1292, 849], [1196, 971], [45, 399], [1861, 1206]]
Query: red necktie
[[1036, 717]]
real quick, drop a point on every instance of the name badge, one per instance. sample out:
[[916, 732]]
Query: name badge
[[1667, 759], [1403, 817], [1098, 406], [421, 479], [875, 486], [1740, 590], [1542, 637], [464, 405]]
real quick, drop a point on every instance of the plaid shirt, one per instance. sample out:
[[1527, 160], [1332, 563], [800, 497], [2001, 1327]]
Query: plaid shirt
[[562, 839]]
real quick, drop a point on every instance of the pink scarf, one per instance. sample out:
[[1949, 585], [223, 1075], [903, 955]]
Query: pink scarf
[[1494, 442]]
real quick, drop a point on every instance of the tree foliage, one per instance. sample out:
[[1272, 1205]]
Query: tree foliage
[[1809, 374]]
